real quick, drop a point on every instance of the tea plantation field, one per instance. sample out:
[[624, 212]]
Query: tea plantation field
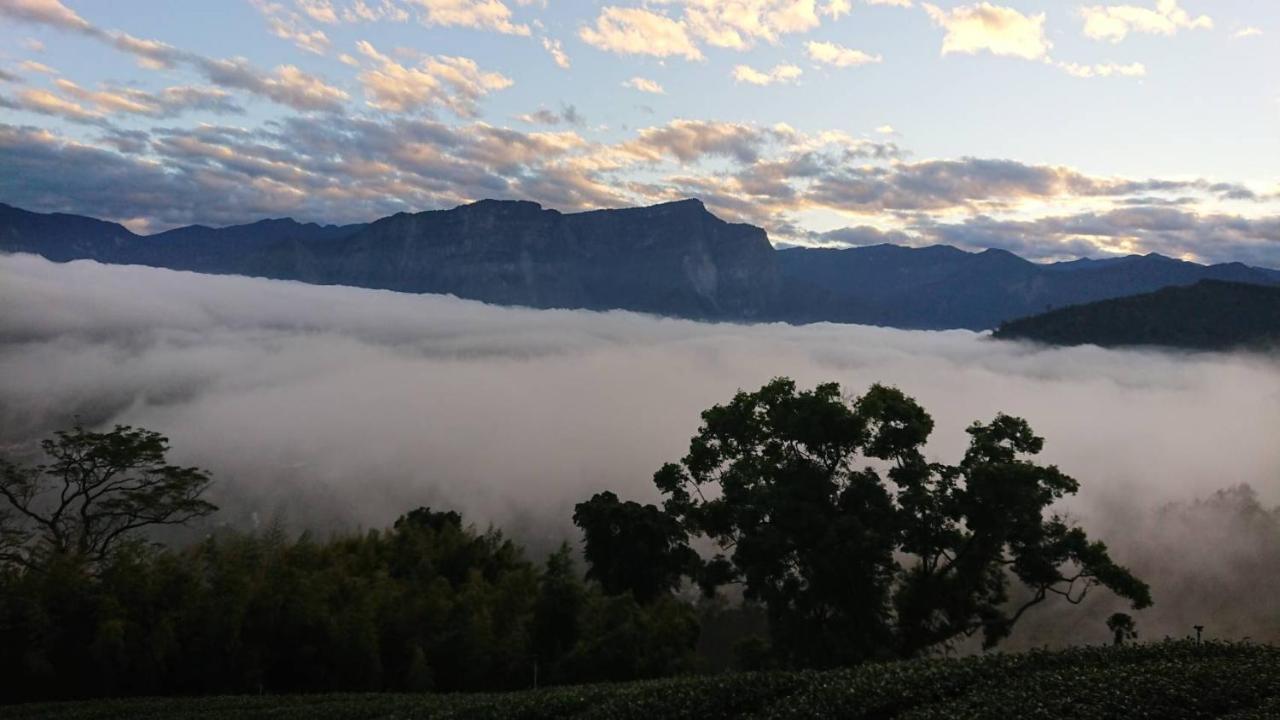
[[1167, 680]]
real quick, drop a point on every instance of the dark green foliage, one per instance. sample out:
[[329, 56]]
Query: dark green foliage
[[1122, 627], [1177, 681], [852, 562], [1210, 315], [633, 548], [95, 492], [430, 605]]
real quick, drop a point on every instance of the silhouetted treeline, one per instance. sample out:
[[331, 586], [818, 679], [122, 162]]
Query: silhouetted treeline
[[430, 604]]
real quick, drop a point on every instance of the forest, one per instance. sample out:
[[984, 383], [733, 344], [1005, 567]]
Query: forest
[[804, 529]]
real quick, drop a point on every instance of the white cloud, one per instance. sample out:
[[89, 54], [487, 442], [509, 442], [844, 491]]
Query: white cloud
[[1113, 23], [636, 31], [778, 74], [740, 24], [479, 14], [1247, 32], [456, 83], [1103, 70], [558, 55], [837, 8], [645, 85], [838, 55], [984, 27]]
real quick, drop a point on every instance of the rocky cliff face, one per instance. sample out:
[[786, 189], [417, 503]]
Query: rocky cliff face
[[671, 259]]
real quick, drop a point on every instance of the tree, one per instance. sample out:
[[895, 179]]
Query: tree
[[633, 548], [1122, 628], [96, 491], [827, 512]]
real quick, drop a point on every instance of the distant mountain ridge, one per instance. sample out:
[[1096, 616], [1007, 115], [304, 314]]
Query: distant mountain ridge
[[674, 259], [1209, 315]]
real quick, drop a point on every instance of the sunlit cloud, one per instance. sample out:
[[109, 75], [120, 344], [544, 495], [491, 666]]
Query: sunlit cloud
[[1113, 23], [839, 56], [775, 75], [984, 27]]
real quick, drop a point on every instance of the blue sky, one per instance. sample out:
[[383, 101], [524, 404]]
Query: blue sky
[[1052, 128]]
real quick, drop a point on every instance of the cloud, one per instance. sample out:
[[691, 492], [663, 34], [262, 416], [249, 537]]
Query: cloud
[[286, 84], [343, 408], [984, 27], [1113, 23], [1247, 32], [318, 10], [645, 85], [838, 55], [45, 12], [837, 8], [47, 103], [778, 74], [636, 31], [737, 25], [169, 102], [1137, 229], [740, 24], [478, 14], [1103, 70], [291, 26], [32, 66], [455, 83], [567, 115], [556, 49]]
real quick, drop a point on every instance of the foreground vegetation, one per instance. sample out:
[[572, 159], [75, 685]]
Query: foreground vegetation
[[1170, 680], [821, 512]]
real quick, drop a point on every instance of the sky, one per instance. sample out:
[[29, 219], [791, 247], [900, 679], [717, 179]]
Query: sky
[[1052, 128]]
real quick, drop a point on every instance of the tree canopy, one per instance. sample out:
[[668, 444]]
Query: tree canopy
[[826, 510], [96, 490]]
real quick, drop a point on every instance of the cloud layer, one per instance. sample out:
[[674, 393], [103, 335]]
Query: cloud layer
[[338, 406]]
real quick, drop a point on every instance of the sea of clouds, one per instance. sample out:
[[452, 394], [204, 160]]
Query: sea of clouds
[[336, 407]]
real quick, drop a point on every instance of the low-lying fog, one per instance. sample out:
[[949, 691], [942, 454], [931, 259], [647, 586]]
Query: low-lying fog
[[342, 407]]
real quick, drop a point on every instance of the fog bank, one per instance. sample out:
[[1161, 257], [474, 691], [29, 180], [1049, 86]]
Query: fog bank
[[342, 406]]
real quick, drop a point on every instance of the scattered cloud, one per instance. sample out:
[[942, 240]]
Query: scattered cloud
[[740, 24], [1103, 70], [1113, 23], [784, 73], [984, 27], [1247, 32], [838, 55], [636, 31], [31, 66], [556, 49], [567, 115], [645, 85], [478, 14], [455, 83]]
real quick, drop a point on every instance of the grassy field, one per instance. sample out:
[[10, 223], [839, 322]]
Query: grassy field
[[1167, 680]]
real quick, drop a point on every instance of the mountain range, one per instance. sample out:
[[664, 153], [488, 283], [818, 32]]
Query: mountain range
[[675, 259]]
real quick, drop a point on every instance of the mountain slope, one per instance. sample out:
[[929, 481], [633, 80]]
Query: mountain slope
[[672, 259], [942, 287], [1209, 315]]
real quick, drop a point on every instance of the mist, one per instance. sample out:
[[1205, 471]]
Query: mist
[[341, 408]]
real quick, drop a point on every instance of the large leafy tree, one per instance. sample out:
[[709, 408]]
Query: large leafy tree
[[826, 511], [95, 491]]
